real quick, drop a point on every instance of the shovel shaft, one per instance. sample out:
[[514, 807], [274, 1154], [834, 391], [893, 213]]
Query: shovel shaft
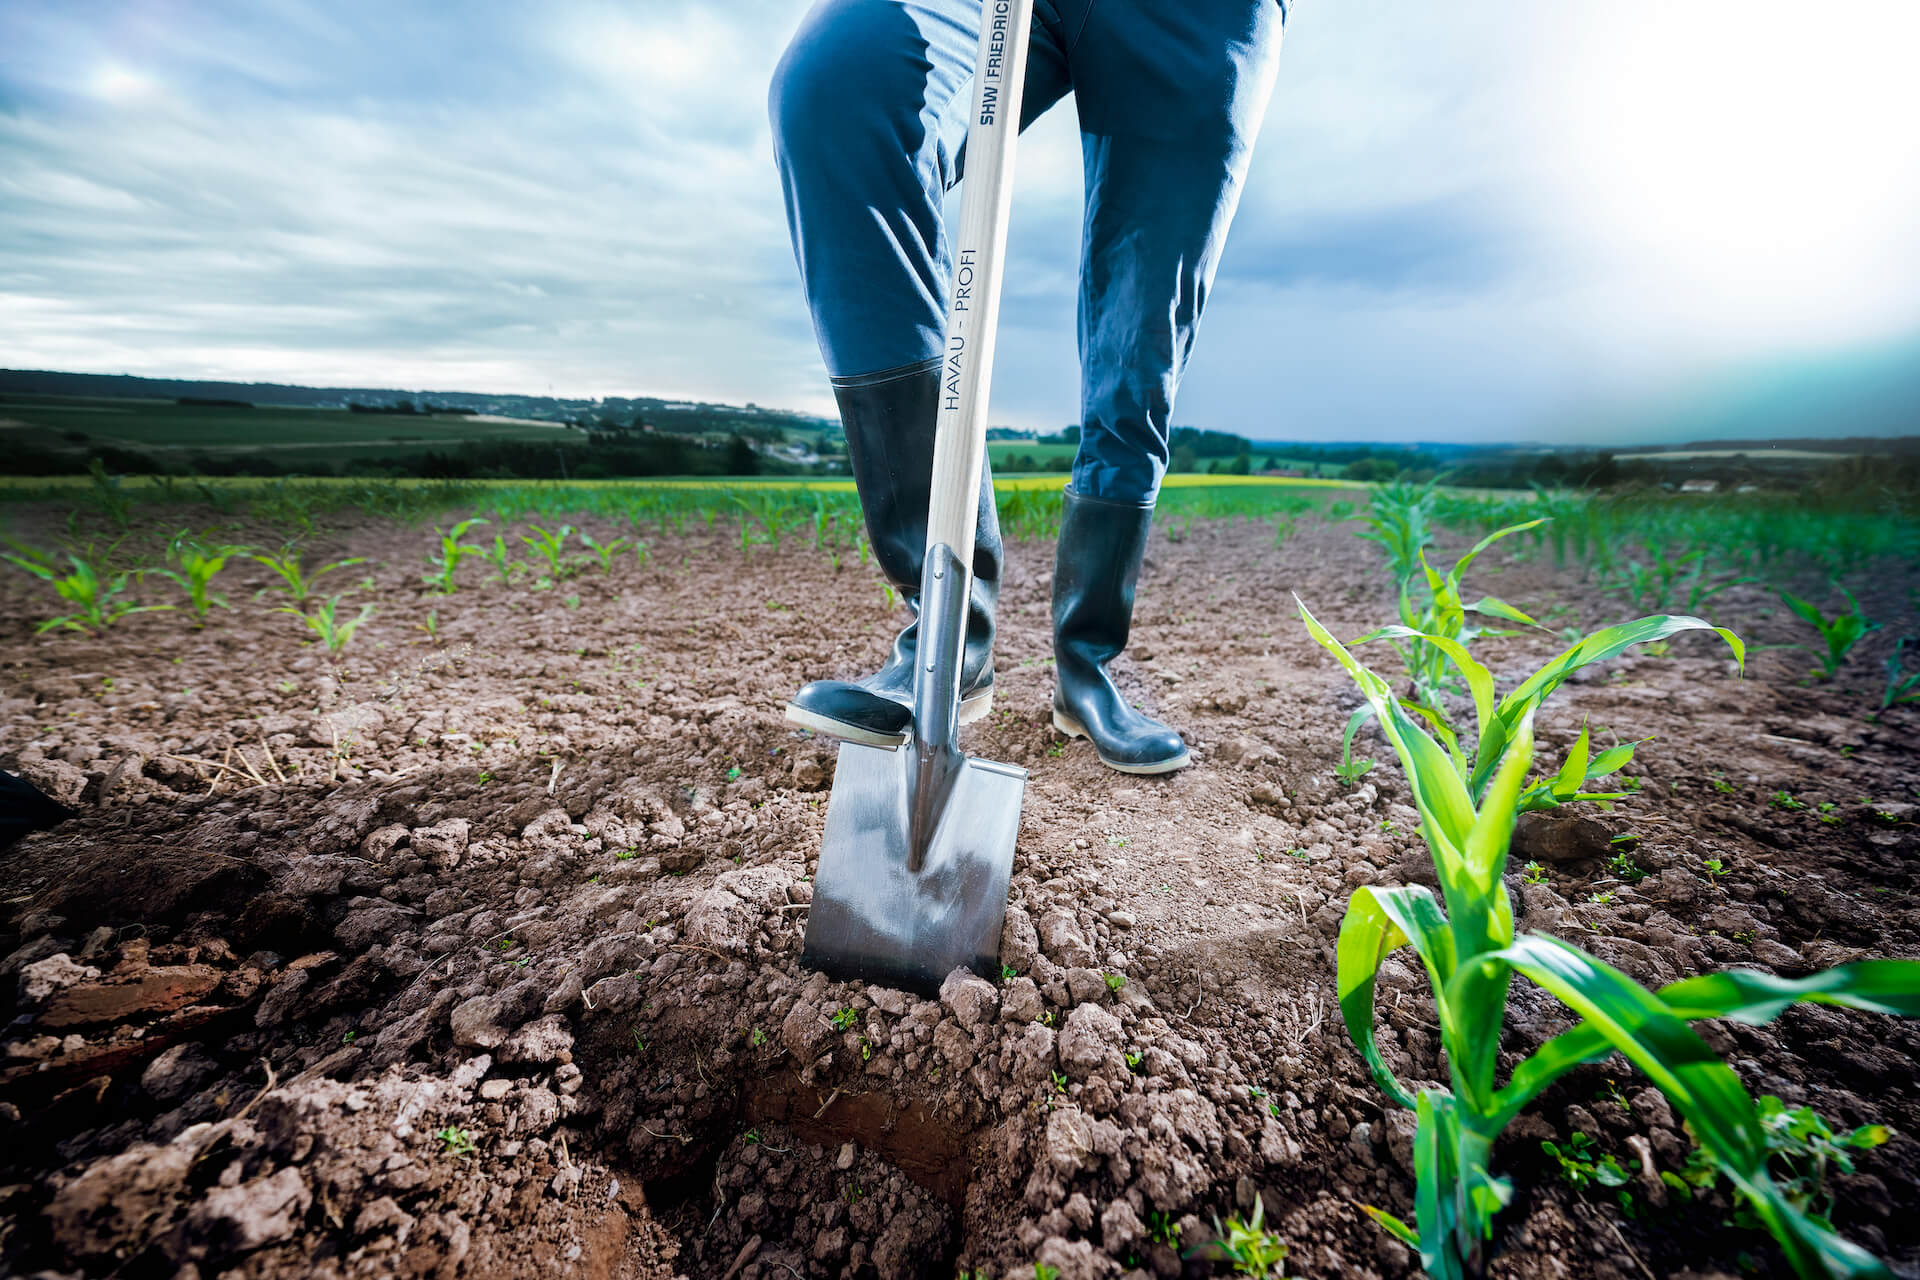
[[979, 253]]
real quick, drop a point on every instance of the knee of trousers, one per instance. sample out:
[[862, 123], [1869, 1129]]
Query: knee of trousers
[[827, 114]]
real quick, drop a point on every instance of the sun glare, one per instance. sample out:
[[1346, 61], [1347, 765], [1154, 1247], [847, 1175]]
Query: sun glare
[[1764, 153], [118, 83]]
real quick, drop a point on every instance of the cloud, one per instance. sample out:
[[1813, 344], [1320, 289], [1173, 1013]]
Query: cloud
[[581, 194]]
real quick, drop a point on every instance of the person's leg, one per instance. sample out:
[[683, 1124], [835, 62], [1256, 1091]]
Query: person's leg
[[869, 109], [1170, 99]]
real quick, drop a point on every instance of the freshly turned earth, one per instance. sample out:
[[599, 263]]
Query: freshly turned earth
[[477, 953]]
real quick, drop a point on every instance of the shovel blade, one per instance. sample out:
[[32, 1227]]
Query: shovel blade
[[875, 920]]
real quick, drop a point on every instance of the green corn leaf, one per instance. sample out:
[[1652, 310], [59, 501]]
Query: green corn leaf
[[1573, 771], [1392, 1226], [1702, 1088], [1807, 611], [1494, 607], [1755, 997], [1378, 922], [1608, 642], [1438, 793], [1460, 565], [1437, 1195], [1479, 679], [1745, 995]]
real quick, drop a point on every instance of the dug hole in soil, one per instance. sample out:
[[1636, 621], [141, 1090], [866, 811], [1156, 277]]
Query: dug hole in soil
[[477, 954]]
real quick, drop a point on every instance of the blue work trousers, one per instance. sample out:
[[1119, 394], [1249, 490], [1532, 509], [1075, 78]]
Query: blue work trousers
[[869, 110]]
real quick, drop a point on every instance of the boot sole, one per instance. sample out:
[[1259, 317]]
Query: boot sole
[[971, 709], [1074, 729]]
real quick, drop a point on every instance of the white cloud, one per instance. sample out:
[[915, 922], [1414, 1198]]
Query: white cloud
[[1453, 225]]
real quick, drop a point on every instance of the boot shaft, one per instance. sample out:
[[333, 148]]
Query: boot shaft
[[1096, 567], [890, 420]]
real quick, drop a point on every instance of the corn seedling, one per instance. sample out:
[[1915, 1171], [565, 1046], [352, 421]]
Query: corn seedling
[[1248, 1247], [1349, 770], [323, 619], [198, 563], [604, 551], [500, 558], [1398, 520], [550, 545], [1839, 633], [1467, 943], [109, 496], [295, 583], [451, 552], [1429, 629], [97, 602], [1901, 687]]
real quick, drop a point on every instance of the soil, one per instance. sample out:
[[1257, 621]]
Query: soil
[[477, 951]]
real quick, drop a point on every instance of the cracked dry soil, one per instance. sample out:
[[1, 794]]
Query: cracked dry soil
[[477, 954]]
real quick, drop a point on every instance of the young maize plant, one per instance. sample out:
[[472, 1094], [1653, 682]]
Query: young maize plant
[[1443, 614], [297, 584], [604, 551], [328, 626], [1398, 519], [1840, 632], [1470, 952], [550, 545], [198, 564], [96, 600], [446, 559], [1902, 686]]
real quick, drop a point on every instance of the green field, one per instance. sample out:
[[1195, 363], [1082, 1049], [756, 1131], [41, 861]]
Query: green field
[[288, 433]]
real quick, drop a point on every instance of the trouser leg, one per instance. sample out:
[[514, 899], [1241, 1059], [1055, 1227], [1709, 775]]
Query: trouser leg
[[1170, 98], [869, 109]]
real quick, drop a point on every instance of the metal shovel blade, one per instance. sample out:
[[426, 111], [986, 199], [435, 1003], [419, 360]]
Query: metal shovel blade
[[874, 917]]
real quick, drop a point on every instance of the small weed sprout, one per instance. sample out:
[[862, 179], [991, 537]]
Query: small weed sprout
[[455, 1141], [1580, 1166], [1533, 873], [756, 1038], [1162, 1228], [844, 1019], [1115, 981], [1248, 1247], [1349, 770], [1623, 865]]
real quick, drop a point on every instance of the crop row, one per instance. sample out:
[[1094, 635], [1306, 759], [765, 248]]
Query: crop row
[[1470, 783]]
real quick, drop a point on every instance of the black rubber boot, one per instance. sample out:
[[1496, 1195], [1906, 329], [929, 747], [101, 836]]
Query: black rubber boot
[[889, 420], [1094, 571]]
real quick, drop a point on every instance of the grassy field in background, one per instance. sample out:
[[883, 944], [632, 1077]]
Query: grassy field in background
[[288, 433]]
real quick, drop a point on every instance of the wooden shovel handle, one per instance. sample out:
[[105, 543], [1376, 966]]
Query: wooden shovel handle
[[973, 312]]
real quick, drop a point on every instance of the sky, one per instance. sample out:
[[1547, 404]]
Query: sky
[[1489, 220]]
